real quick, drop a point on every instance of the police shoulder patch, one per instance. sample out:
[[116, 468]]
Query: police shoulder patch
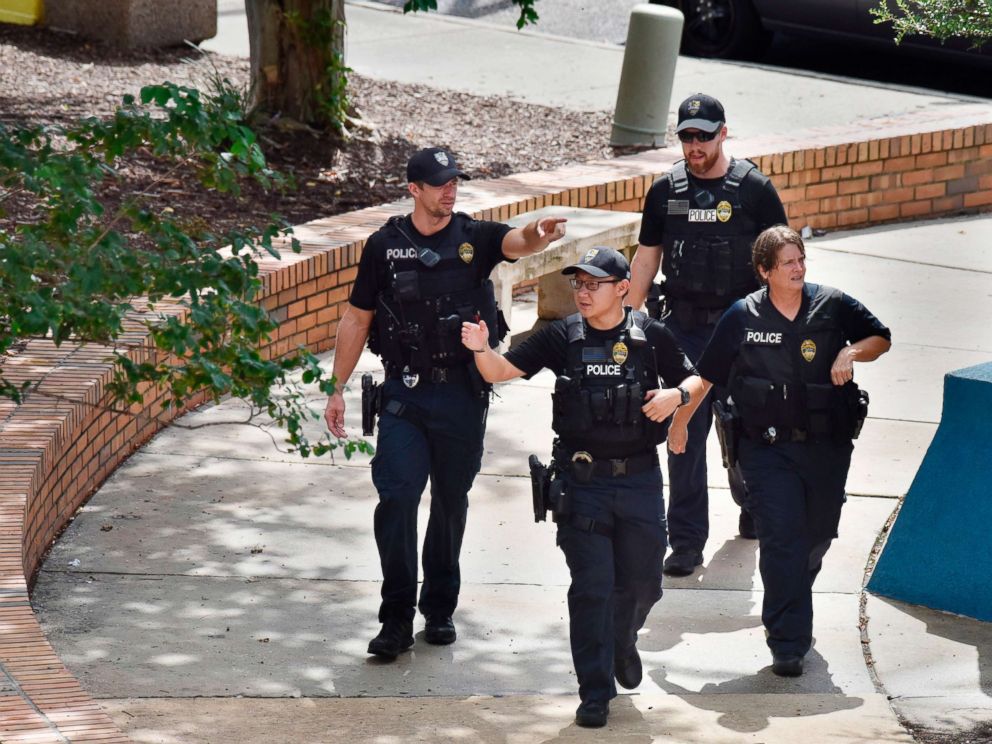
[[466, 252], [808, 350]]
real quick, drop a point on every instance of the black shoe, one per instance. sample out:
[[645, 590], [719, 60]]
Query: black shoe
[[396, 636], [627, 667], [592, 714], [787, 665], [745, 526], [682, 562], [439, 630]]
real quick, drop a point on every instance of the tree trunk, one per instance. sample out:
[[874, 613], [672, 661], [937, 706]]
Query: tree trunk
[[297, 60]]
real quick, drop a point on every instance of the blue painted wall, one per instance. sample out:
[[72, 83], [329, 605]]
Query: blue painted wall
[[939, 551]]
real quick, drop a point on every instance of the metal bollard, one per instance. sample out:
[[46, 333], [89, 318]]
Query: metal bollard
[[653, 38]]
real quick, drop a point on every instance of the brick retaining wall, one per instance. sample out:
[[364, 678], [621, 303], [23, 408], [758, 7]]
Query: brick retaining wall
[[56, 451]]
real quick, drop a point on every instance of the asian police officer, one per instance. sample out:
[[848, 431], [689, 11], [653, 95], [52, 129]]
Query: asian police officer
[[609, 415]]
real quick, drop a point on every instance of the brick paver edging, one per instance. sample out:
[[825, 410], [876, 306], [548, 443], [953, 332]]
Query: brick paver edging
[[59, 445]]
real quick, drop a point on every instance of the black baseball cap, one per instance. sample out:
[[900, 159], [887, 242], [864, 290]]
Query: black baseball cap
[[602, 262], [433, 165], [702, 112]]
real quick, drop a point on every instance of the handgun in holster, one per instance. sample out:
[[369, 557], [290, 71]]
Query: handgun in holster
[[371, 403], [727, 431], [861, 412], [540, 485], [654, 303]]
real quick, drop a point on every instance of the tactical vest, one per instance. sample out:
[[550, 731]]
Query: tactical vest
[[707, 239], [781, 376], [596, 405], [419, 316]]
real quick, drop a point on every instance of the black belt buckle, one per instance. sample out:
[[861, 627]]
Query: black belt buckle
[[619, 468], [582, 466]]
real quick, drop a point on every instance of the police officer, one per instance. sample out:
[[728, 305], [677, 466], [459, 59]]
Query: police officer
[[419, 277], [787, 353], [699, 222], [609, 414]]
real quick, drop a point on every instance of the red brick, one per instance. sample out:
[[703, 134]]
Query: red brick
[[913, 178], [821, 190], [978, 199], [883, 213], [931, 160], [896, 165], [930, 191], [915, 209], [853, 186], [867, 169]]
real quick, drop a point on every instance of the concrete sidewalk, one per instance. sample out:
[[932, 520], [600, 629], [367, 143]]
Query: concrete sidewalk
[[217, 590]]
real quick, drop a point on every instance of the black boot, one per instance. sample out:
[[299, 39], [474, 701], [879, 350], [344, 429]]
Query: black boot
[[396, 636]]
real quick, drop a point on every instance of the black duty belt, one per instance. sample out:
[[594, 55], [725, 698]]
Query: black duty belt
[[772, 435], [437, 375], [611, 468]]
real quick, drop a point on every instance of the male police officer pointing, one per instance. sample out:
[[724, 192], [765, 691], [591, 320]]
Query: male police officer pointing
[[419, 277], [609, 414], [699, 223]]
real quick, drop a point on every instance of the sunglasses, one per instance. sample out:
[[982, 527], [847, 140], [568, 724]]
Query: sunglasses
[[699, 136]]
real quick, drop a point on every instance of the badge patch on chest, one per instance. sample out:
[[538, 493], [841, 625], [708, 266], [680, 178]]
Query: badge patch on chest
[[702, 215], [619, 352], [724, 211], [678, 206], [808, 350], [466, 252]]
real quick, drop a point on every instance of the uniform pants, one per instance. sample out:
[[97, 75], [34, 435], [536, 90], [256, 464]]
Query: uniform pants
[[688, 495], [795, 494], [446, 446], [615, 581]]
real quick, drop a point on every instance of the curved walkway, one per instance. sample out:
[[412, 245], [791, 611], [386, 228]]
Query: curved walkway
[[216, 585]]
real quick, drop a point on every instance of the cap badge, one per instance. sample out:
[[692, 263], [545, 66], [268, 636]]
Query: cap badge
[[724, 211], [466, 252], [808, 349], [590, 255], [442, 158], [619, 352], [694, 106]]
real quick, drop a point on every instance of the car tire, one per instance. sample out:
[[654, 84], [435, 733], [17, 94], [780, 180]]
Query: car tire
[[725, 29]]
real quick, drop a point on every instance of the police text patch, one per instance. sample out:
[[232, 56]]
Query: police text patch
[[395, 254], [702, 215], [763, 337]]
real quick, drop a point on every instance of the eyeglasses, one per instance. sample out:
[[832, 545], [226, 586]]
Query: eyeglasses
[[592, 285], [697, 135]]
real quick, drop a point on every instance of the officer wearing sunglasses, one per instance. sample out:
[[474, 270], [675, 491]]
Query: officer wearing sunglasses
[[609, 412], [699, 223]]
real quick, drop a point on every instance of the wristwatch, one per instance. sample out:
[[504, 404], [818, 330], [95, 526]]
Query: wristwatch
[[685, 395]]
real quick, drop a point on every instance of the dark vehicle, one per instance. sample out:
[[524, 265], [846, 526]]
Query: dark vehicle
[[741, 29]]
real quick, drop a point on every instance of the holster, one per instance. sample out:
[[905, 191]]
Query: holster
[[371, 403], [545, 488], [728, 432]]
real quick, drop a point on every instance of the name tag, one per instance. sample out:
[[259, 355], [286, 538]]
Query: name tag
[[702, 215]]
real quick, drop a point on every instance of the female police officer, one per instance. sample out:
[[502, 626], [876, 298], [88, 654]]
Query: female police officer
[[787, 354], [608, 412]]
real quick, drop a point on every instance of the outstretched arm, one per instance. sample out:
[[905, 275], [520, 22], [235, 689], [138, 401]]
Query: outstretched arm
[[533, 237], [491, 364]]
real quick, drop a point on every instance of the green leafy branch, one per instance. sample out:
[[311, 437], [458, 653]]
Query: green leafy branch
[[940, 19], [175, 302]]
